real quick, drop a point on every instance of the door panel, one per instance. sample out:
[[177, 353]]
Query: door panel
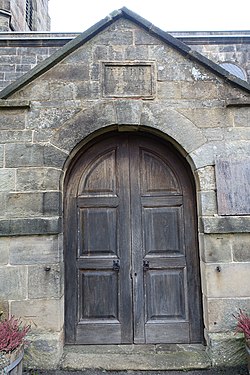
[[131, 259]]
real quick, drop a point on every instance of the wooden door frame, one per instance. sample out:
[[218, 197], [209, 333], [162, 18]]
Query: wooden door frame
[[70, 216]]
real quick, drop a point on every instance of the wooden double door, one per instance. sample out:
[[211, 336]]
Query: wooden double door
[[131, 259]]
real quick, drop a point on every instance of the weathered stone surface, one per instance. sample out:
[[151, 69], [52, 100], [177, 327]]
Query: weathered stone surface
[[1, 155], [45, 281], [83, 124], [88, 90], [170, 122], [32, 204], [37, 179], [240, 244], [222, 312], [32, 250], [242, 117], [208, 117], [136, 357], [42, 314], [216, 248], [168, 90], [12, 120], [8, 136], [45, 350], [227, 280], [50, 118], [33, 155], [128, 112], [13, 282], [69, 72], [7, 179], [4, 309], [15, 227], [226, 350], [230, 224], [195, 90], [136, 52], [4, 246], [208, 204], [206, 178]]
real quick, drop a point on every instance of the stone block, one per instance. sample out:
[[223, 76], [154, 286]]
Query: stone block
[[37, 179], [52, 204], [93, 118], [13, 282], [174, 124], [32, 250], [222, 312], [45, 350], [42, 119], [128, 112], [23, 204], [242, 117], [24, 155], [109, 37], [12, 120], [202, 90], [4, 309], [205, 155], [145, 38], [69, 72], [208, 117], [45, 281], [229, 224], [226, 350], [100, 53], [15, 227], [7, 136], [207, 203], [88, 90], [42, 314], [4, 246], [216, 248], [37, 91], [240, 244], [7, 179], [206, 178], [62, 90], [1, 155], [54, 157], [168, 90], [136, 52], [33, 155], [227, 280]]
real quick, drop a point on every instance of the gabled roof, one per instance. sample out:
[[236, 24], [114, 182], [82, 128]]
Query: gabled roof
[[101, 25]]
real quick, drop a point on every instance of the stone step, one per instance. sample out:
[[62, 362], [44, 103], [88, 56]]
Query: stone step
[[135, 357]]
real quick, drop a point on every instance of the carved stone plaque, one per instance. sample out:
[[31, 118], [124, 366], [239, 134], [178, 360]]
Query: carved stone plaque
[[233, 186], [129, 79]]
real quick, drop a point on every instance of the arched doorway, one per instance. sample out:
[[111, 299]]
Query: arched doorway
[[131, 257]]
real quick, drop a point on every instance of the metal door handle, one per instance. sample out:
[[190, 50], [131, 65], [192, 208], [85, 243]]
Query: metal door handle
[[146, 265], [116, 265]]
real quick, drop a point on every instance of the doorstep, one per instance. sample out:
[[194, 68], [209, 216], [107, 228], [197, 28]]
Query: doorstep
[[135, 357]]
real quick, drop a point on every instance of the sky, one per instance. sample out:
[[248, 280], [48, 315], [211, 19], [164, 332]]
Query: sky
[[169, 15]]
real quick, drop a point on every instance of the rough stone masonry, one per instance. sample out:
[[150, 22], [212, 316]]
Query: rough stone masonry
[[50, 114]]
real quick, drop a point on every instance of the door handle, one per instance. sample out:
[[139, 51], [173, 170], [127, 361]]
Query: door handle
[[116, 265], [145, 265]]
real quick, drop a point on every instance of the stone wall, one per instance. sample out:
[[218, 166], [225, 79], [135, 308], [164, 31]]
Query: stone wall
[[13, 15], [22, 51], [45, 123]]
